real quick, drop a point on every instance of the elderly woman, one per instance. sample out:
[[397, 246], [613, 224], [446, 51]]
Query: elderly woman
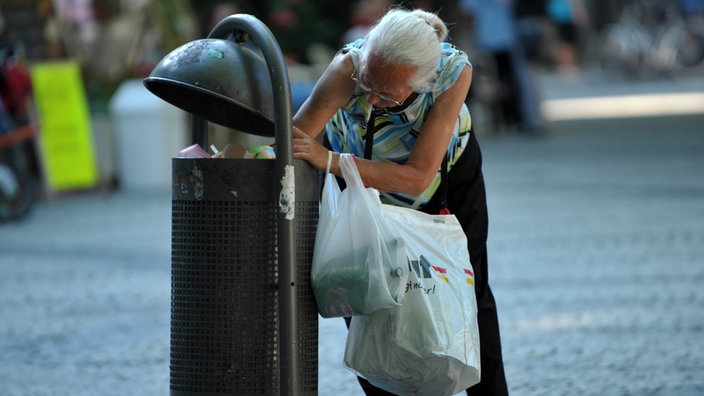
[[396, 100]]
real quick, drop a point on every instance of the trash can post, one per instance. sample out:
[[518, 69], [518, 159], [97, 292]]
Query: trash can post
[[199, 131], [283, 128]]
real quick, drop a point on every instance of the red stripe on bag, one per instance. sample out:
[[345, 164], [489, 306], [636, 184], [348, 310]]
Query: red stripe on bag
[[469, 272], [440, 269]]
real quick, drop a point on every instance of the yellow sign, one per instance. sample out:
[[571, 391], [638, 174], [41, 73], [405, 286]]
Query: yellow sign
[[65, 137]]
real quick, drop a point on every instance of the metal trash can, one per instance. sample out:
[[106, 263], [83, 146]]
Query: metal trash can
[[224, 290]]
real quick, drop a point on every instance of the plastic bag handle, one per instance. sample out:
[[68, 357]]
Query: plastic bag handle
[[350, 172]]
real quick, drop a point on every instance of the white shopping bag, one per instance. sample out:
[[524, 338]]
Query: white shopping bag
[[430, 344], [359, 266]]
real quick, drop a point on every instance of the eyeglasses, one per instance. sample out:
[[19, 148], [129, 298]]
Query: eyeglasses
[[364, 88]]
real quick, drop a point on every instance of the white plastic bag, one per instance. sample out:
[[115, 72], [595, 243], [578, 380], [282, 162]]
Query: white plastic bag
[[430, 344], [359, 266]]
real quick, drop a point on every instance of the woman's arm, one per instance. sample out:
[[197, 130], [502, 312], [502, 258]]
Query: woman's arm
[[334, 90], [415, 175]]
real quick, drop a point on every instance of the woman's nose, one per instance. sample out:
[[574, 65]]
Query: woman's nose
[[374, 100]]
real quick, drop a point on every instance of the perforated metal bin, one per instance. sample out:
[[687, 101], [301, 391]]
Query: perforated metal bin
[[224, 290]]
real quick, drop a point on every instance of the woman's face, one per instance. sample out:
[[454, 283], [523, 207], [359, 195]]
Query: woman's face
[[385, 85]]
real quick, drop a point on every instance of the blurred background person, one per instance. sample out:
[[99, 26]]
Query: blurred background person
[[570, 18], [531, 19], [364, 14], [494, 33]]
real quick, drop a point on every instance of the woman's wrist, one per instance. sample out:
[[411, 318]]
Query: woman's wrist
[[358, 164], [329, 163]]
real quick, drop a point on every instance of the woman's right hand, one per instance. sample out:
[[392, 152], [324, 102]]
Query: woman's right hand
[[309, 149]]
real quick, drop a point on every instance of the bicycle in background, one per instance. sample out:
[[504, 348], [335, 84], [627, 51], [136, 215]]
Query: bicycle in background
[[655, 37], [19, 180]]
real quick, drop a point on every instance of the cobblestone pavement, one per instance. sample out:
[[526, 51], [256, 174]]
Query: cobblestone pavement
[[596, 260]]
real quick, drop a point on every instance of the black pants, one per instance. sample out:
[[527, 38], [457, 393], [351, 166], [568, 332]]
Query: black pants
[[466, 199]]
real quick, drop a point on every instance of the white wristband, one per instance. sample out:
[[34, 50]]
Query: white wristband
[[327, 168]]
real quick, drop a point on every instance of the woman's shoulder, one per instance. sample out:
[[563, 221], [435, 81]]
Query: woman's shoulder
[[450, 52], [350, 53], [452, 61]]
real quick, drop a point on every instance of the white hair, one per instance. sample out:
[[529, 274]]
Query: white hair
[[408, 37]]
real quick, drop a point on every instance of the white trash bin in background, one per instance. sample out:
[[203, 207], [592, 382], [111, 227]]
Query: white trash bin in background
[[149, 132]]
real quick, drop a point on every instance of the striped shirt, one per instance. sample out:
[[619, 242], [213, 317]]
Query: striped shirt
[[396, 132]]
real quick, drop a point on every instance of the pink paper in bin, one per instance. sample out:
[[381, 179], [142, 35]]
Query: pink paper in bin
[[193, 151]]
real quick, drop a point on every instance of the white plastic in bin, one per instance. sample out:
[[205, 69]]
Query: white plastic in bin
[[148, 134]]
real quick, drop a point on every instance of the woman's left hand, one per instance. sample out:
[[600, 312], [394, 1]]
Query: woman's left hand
[[307, 148]]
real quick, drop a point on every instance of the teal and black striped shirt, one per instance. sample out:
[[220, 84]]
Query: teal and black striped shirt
[[396, 132]]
